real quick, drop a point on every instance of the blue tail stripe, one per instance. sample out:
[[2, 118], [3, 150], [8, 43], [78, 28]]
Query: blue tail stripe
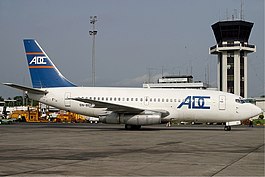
[[43, 72]]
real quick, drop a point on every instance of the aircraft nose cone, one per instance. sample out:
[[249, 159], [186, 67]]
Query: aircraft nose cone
[[259, 110], [256, 111]]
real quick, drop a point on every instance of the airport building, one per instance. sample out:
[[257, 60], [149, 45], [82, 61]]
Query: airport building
[[232, 48], [177, 82]]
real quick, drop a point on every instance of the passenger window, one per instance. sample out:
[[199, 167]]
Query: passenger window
[[106, 98], [119, 99], [162, 99], [158, 100], [131, 99], [136, 99], [141, 99], [166, 100], [127, 99], [154, 100]]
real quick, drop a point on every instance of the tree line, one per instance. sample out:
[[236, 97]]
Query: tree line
[[19, 101]]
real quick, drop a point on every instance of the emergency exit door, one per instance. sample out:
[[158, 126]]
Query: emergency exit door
[[67, 101], [222, 102], [146, 100]]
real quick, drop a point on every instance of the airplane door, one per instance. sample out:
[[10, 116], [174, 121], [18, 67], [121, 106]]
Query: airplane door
[[222, 102], [146, 100], [67, 102]]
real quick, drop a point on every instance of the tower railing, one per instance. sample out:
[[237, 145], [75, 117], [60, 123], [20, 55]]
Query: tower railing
[[238, 45]]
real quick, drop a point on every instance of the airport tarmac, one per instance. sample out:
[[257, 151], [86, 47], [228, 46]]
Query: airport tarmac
[[57, 149]]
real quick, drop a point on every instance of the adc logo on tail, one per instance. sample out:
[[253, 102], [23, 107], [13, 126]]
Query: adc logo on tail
[[38, 60]]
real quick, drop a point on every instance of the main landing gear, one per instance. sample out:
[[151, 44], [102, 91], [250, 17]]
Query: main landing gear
[[227, 128], [132, 127]]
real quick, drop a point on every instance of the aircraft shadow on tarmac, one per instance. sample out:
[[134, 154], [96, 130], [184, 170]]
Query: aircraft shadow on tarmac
[[104, 127]]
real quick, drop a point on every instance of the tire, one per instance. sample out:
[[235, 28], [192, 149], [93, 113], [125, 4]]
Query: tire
[[227, 128]]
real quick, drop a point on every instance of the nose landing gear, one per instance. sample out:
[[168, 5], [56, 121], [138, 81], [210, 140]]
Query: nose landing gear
[[232, 123], [227, 128]]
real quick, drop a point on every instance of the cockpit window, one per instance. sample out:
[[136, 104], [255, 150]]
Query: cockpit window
[[241, 101]]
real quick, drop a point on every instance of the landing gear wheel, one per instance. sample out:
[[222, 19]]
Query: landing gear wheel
[[132, 127], [227, 128], [137, 127], [127, 127]]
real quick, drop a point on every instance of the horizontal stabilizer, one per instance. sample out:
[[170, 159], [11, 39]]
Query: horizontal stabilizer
[[24, 88]]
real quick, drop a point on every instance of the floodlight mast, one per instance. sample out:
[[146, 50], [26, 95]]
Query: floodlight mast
[[93, 33]]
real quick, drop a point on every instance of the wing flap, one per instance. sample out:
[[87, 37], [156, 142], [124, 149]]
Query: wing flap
[[110, 106]]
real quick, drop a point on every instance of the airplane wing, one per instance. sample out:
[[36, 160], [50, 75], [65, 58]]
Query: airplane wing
[[24, 88], [118, 108], [109, 106]]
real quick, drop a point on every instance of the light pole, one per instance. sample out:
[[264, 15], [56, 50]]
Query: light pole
[[93, 20]]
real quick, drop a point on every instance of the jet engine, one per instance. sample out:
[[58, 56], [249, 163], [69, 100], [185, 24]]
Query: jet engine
[[132, 119]]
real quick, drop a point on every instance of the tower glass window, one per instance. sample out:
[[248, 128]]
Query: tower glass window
[[230, 71], [242, 73]]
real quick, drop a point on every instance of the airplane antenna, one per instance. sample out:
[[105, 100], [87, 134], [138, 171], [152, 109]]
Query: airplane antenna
[[93, 33]]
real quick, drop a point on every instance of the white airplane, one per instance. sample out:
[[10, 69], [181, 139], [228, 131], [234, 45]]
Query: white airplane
[[130, 106]]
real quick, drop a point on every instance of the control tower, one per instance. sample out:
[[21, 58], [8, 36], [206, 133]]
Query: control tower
[[232, 48]]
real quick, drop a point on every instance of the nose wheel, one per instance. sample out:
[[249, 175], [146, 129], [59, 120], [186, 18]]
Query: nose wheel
[[227, 128]]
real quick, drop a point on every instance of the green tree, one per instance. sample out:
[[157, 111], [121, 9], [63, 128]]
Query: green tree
[[8, 102], [19, 100]]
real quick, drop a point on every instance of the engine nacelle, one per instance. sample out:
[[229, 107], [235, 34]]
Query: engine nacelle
[[139, 119]]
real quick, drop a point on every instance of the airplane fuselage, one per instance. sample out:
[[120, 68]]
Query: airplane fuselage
[[181, 104]]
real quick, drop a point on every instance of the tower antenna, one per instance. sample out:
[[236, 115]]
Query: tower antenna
[[241, 11], [227, 18]]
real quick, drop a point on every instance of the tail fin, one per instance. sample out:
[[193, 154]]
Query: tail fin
[[43, 72]]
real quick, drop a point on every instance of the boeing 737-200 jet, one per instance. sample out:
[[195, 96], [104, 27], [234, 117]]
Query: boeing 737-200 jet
[[133, 107]]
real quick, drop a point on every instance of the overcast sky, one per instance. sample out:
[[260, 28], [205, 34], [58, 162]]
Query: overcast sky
[[134, 37]]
